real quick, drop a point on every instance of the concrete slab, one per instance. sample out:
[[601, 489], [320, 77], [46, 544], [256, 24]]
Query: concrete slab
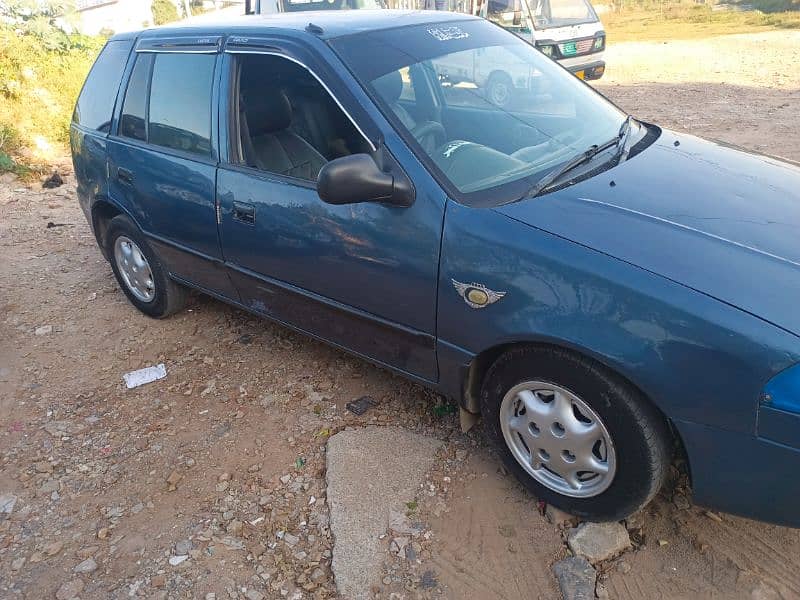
[[371, 472]]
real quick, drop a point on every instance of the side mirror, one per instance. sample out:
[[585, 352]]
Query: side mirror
[[357, 178]]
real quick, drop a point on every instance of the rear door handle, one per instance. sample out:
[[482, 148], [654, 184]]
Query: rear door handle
[[246, 213], [125, 176]]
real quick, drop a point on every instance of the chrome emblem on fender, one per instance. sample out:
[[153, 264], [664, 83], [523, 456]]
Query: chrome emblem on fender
[[476, 295]]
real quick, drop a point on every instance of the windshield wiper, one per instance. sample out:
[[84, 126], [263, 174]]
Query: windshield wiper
[[620, 141]]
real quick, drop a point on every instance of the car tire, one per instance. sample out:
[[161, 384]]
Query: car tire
[[139, 272], [499, 89], [525, 395]]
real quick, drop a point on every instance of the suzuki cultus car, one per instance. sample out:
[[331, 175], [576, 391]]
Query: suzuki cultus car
[[604, 292]]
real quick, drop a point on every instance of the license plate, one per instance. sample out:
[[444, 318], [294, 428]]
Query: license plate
[[580, 74], [569, 49]]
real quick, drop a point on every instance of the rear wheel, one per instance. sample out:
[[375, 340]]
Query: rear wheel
[[139, 272], [574, 433]]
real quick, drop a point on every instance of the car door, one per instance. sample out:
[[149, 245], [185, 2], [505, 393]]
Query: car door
[[362, 276], [162, 156]]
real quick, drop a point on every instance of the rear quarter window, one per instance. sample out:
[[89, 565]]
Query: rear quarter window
[[96, 101]]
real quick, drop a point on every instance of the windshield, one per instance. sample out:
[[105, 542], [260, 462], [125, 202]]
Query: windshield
[[490, 114], [301, 5], [559, 13]]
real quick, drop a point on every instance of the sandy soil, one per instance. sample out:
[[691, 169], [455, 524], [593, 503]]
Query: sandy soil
[[223, 461]]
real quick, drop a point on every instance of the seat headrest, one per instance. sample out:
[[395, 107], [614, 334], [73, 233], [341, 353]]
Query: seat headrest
[[389, 86], [268, 110]]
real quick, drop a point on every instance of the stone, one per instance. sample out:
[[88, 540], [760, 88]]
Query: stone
[[176, 560], [576, 578], [254, 595], [158, 581], [70, 589], [103, 533], [17, 564], [400, 524], [290, 539], [286, 479], [370, 472], [559, 517], [43, 330], [398, 545], [183, 547], [53, 548], [7, 503], [235, 527], [87, 566], [173, 480], [598, 541]]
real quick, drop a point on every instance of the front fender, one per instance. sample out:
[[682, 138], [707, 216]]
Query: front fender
[[697, 359]]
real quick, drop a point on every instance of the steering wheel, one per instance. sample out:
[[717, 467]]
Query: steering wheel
[[430, 135]]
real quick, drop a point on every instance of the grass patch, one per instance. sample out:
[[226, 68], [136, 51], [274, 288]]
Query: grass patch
[[684, 21], [38, 88]]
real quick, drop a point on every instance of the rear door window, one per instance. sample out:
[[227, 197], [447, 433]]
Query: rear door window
[[96, 102], [179, 115]]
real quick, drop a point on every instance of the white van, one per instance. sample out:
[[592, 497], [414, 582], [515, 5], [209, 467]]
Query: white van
[[569, 31]]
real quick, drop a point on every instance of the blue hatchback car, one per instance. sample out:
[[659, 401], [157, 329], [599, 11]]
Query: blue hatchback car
[[604, 292]]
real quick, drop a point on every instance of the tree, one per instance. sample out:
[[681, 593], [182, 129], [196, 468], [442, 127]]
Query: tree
[[164, 11], [44, 19]]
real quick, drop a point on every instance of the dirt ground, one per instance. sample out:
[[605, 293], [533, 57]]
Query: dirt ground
[[210, 483]]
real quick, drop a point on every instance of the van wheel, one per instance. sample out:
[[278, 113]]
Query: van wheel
[[574, 433], [139, 271], [500, 89]]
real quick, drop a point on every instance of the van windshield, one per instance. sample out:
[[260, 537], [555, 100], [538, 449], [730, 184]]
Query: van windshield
[[559, 13], [303, 5]]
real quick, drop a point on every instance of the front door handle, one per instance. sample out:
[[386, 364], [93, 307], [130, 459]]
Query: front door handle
[[246, 213], [125, 176]]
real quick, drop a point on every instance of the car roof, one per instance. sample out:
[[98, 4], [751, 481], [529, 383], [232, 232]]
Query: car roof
[[333, 23]]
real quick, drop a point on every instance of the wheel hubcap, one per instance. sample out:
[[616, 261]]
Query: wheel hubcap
[[558, 439], [134, 269], [499, 93]]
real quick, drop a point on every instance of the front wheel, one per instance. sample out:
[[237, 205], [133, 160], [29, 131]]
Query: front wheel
[[574, 433], [500, 89]]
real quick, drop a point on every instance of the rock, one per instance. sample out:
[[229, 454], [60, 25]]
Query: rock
[[559, 517], [370, 472], [398, 546], [53, 181], [576, 578], [235, 527], [598, 541], [103, 533], [400, 524], [253, 469], [254, 595], [7, 502], [70, 590], [53, 548], [290, 539], [17, 564], [158, 581], [224, 476], [87, 552], [176, 560], [173, 480], [43, 467], [87, 566], [222, 486], [183, 547], [43, 330], [286, 479], [623, 567]]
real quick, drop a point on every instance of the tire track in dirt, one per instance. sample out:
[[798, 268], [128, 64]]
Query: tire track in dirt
[[493, 543]]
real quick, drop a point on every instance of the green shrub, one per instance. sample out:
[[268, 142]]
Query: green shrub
[[164, 11], [38, 89]]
